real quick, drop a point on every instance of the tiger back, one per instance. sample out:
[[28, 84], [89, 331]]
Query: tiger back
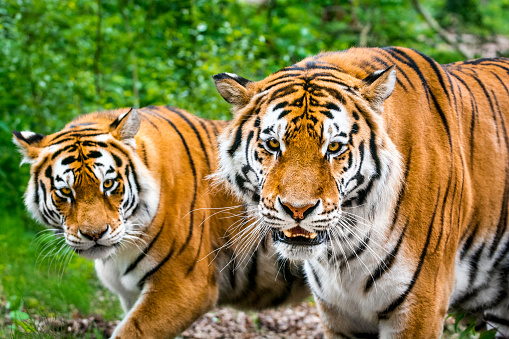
[[128, 189], [388, 175]]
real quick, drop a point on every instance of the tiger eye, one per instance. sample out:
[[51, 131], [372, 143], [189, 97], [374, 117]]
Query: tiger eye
[[333, 147], [273, 144], [108, 183], [66, 190]]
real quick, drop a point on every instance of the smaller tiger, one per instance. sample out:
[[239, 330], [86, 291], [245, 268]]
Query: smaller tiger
[[128, 189]]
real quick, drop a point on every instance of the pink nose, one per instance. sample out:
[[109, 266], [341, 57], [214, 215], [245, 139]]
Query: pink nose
[[298, 213], [94, 235]]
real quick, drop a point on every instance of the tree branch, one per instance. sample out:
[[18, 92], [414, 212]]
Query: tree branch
[[439, 30]]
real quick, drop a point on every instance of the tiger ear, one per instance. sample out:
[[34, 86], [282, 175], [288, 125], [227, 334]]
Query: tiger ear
[[125, 127], [379, 86], [233, 88], [29, 145]]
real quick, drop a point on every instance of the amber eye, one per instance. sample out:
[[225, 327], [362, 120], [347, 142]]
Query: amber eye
[[65, 191], [333, 147], [273, 145], [108, 183]]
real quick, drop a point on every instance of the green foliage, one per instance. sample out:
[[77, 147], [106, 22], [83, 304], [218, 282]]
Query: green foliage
[[59, 59]]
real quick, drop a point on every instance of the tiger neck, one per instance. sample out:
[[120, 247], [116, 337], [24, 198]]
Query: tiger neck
[[374, 221]]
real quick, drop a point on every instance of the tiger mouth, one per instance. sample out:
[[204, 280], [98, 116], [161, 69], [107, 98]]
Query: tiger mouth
[[299, 236], [96, 252]]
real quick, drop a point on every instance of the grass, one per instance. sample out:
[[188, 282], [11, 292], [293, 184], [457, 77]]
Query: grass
[[35, 281]]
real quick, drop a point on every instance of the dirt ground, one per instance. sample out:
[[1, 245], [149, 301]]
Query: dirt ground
[[299, 321]]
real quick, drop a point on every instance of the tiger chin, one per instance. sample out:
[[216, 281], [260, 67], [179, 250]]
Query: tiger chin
[[128, 188], [387, 174]]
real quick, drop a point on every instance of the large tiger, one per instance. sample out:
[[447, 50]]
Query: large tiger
[[388, 174], [127, 188]]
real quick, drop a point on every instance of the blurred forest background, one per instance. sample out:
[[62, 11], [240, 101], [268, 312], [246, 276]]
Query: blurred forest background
[[59, 59]]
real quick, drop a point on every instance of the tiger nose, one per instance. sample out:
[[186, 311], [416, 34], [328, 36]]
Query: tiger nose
[[299, 212], [94, 235]]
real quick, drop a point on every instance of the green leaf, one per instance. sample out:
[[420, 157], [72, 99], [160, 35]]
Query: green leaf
[[488, 334], [18, 315], [459, 317]]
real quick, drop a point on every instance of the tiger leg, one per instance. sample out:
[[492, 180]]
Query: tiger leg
[[326, 315], [168, 305], [338, 323], [110, 276], [421, 312]]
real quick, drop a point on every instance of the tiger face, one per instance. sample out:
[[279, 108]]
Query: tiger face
[[85, 183], [307, 143]]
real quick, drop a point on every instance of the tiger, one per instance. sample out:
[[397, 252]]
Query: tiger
[[387, 175], [127, 188]]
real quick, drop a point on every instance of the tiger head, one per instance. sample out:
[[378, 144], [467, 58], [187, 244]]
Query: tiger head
[[307, 143], [87, 181]]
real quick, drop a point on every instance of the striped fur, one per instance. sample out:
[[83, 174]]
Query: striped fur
[[409, 209], [167, 236]]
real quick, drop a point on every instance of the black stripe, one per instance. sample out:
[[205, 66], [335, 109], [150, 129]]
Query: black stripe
[[501, 82], [444, 120], [202, 124], [356, 253], [364, 335], [442, 214], [143, 152], [503, 218], [68, 160], [494, 319], [253, 273], [386, 264], [238, 134], [374, 155], [468, 243], [434, 65], [133, 265], [195, 260], [402, 190], [155, 269], [59, 135], [71, 136], [486, 94], [385, 313], [193, 169], [474, 265], [474, 113], [57, 153], [143, 116], [193, 127], [315, 276]]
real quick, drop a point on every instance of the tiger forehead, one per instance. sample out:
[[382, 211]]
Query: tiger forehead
[[83, 156], [303, 110], [312, 77], [80, 154]]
